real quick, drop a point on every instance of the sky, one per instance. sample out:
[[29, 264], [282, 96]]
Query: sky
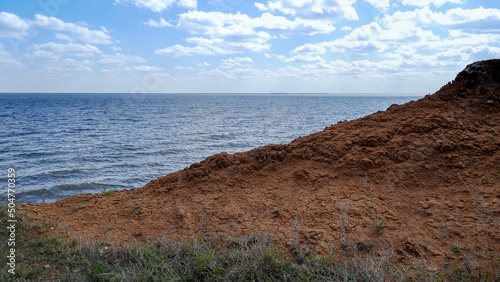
[[236, 46]]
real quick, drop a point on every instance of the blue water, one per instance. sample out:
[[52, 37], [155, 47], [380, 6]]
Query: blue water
[[66, 144]]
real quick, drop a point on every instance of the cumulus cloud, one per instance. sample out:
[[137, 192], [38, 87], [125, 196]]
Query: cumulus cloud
[[6, 58], [204, 64], [235, 33], [419, 29], [69, 49], [238, 73], [145, 69], [310, 49], [379, 4], [64, 37], [179, 51], [236, 62], [78, 31], [325, 10], [458, 18], [426, 3], [43, 55], [160, 5], [12, 26], [160, 23], [305, 59], [363, 40], [68, 65], [119, 59], [479, 20], [223, 24], [463, 26]]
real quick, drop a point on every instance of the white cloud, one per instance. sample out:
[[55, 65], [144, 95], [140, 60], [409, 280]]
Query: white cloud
[[64, 37], [310, 49], [409, 29], [236, 33], [160, 23], [160, 5], [78, 31], [204, 64], [223, 46], [379, 4], [66, 66], [238, 73], [426, 3], [291, 70], [464, 27], [145, 69], [458, 39], [468, 54], [479, 19], [119, 59], [325, 10], [12, 26], [7, 59], [373, 38], [305, 59], [43, 56], [179, 51], [281, 25], [70, 49], [362, 40], [236, 62], [222, 24]]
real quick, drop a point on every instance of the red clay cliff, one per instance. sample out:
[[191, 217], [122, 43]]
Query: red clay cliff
[[419, 179]]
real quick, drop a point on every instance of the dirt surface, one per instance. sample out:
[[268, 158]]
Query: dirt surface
[[421, 179]]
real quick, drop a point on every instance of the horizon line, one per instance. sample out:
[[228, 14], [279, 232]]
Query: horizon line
[[272, 93]]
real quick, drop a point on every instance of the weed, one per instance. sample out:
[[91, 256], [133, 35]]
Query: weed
[[136, 208], [77, 207], [107, 192], [344, 207], [457, 248], [379, 224], [73, 242]]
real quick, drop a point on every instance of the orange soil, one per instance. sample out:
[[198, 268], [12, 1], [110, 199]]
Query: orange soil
[[418, 178]]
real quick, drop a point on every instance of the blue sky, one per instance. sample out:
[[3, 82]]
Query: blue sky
[[176, 46]]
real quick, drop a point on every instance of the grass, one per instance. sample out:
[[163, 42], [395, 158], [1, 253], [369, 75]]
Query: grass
[[221, 258], [107, 192]]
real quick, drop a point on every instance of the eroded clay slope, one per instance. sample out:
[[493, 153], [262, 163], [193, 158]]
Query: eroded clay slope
[[419, 178]]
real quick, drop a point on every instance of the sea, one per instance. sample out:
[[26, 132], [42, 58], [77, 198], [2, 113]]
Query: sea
[[60, 145]]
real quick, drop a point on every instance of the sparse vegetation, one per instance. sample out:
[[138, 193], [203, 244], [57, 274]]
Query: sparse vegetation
[[254, 258], [107, 192], [78, 207], [379, 224]]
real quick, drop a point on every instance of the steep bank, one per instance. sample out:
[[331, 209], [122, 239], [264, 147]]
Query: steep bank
[[421, 178]]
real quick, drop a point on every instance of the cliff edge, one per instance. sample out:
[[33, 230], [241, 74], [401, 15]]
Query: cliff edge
[[419, 179]]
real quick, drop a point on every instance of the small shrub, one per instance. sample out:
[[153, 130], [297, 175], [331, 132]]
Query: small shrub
[[77, 208], [107, 192]]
